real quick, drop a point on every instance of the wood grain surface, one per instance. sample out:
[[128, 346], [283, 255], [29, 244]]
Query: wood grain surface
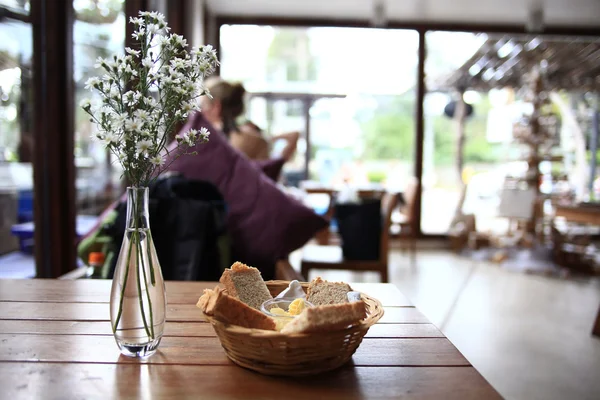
[[56, 342]]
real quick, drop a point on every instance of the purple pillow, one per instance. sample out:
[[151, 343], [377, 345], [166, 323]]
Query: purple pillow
[[264, 223]]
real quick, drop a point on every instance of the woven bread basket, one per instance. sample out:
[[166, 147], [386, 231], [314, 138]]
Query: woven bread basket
[[299, 354]]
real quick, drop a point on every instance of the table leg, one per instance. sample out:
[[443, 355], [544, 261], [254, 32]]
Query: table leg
[[596, 328]]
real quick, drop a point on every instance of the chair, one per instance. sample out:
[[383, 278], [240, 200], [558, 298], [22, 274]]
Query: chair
[[331, 257], [326, 236], [405, 218]]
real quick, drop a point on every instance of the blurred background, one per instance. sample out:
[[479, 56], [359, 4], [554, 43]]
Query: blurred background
[[483, 116]]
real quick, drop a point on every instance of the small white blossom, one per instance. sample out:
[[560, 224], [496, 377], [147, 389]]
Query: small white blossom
[[92, 82], [152, 28], [157, 160], [138, 33], [110, 138], [99, 62], [130, 71], [136, 21], [147, 62], [85, 104], [131, 51], [133, 125], [143, 146], [204, 134], [160, 18], [141, 114]]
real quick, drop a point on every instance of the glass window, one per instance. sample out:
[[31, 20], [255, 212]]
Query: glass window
[[19, 6], [16, 144], [361, 112], [99, 31]]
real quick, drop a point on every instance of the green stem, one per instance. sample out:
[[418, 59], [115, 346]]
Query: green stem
[[152, 277], [147, 292], [123, 289], [139, 285]]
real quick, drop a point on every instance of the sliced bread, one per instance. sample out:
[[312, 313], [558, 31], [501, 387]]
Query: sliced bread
[[225, 308], [327, 318], [321, 292], [245, 283]]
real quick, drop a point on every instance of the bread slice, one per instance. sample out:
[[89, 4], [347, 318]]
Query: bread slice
[[321, 292], [225, 308], [245, 283], [327, 318]]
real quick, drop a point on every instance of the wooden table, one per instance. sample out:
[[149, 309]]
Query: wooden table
[[56, 342], [589, 215], [580, 214]]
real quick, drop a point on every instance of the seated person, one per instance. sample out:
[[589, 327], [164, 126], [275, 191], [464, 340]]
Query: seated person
[[227, 105], [263, 223], [249, 139]]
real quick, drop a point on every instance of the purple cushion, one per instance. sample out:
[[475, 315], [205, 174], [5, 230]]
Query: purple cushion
[[263, 223]]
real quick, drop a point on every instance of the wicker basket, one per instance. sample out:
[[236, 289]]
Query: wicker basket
[[274, 353]]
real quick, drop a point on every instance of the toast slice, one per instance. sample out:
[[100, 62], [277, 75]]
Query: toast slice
[[246, 284], [321, 292], [327, 318], [225, 308]]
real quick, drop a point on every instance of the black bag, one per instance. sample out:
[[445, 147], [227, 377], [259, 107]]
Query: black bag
[[359, 226], [187, 219]]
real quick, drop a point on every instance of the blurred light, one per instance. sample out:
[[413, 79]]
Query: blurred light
[[488, 74], [506, 49], [472, 97], [10, 112], [533, 43], [498, 97], [474, 70]]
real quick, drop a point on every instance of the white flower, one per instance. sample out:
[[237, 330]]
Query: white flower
[[131, 51], [85, 104], [99, 62], [157, 16], [189, 137], [141, 114], [157, 160], [178, 40], [152, 28], [114, 92], [138, 33], [204, 134], [136, 21], [147, 62], [187, 107], [92, 83], [119, 119], [133, 125], [110, 138], [143, 146], [129, 70]]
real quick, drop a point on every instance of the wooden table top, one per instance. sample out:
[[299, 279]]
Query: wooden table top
[[579, 213], [56, 342]]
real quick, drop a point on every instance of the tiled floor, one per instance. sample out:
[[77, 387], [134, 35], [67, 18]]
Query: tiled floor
[[528, 335]]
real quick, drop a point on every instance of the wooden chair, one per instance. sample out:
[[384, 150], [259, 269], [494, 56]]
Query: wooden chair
[[325, 236], [406, 217], [330, 257]]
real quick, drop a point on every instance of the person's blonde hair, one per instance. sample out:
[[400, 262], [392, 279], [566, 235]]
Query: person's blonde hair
[[231, 96]]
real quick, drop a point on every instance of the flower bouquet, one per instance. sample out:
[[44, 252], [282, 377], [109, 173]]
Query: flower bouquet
[[144, 94]]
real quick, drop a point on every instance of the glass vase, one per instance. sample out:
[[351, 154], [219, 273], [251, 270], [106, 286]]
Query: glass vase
[[138, 298]]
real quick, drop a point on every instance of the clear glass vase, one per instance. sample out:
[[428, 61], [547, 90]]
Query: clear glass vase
[[138, 297]]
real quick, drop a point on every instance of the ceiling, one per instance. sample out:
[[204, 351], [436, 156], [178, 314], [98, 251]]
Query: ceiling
[[572, 13], [570, 64]]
